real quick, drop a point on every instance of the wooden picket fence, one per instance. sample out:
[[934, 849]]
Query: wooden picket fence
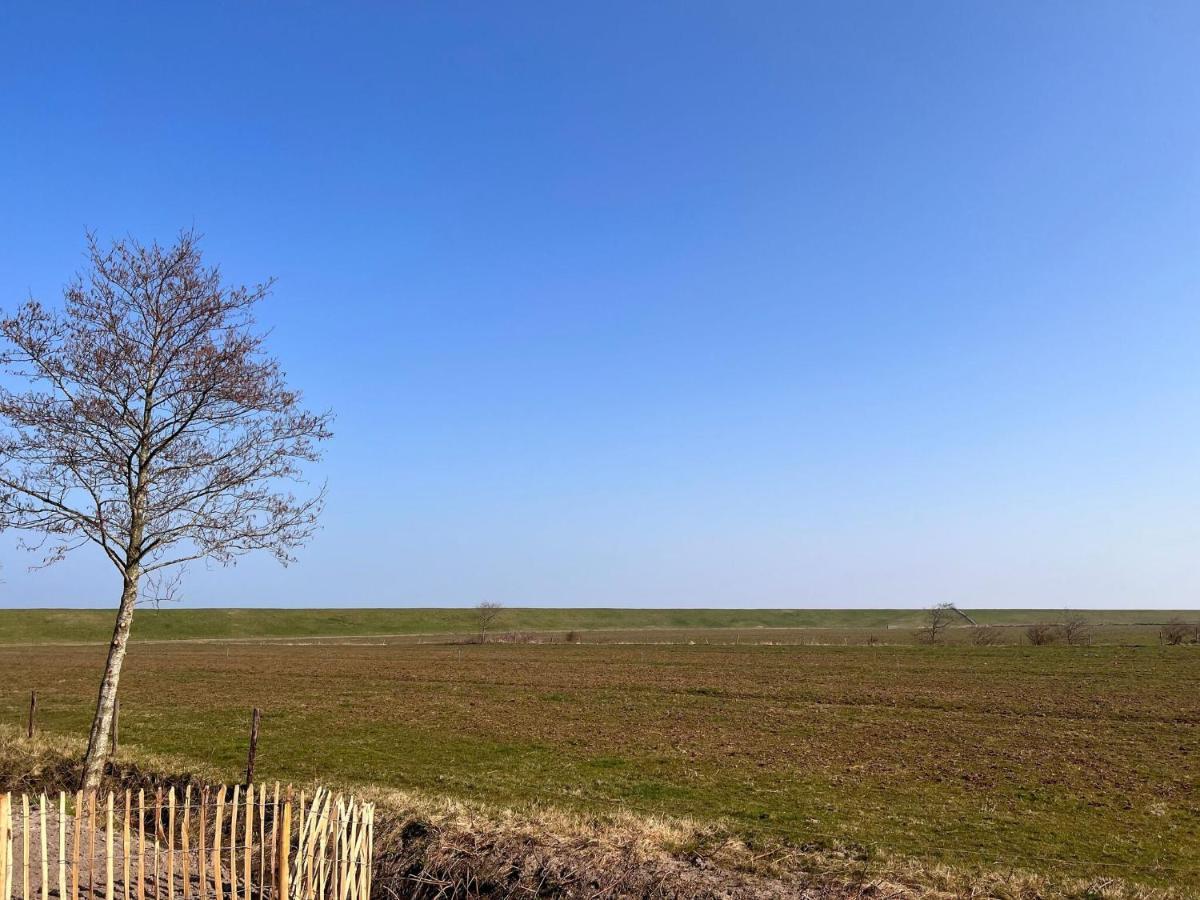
[[205, 844]]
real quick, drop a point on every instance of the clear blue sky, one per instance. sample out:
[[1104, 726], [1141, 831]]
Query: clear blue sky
[[667, 304]]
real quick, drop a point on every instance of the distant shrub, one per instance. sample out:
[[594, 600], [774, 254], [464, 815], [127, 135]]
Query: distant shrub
[[518, 637], [1176, 632], [986, 636], [1041, 633], [1076, 631], [572, 637]]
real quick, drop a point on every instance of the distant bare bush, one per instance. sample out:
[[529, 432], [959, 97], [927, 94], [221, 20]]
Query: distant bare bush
[[518, 637], [571, 637], [937, 620], [1076, 630], [1041, 633], [986, 636], [1176, 632]]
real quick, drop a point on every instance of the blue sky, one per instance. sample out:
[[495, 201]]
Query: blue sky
[[671, 304]]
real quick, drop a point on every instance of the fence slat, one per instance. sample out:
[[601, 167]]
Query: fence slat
[[233, 817], [201, 858], [91, 828], [141, 844], [320, 800], [284, 847], [367, 852], [342, 857], [361, 874], [171, 843], [322, 843], [334, 824], [108, 852], [125, 844], [351, 838], [62, 845], [42, 846], [184, 841], [157, 828], [75, 845], [262, 841], [216, 850], [248, 849], [274, 833], [297, 872], [5, 845], [25, 846], [312, 835]]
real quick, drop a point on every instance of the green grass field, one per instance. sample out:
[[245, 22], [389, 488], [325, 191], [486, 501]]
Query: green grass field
[[1063, 759], [74, 625]]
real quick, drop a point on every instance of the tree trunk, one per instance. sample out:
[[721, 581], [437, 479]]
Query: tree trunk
[[97, 752]]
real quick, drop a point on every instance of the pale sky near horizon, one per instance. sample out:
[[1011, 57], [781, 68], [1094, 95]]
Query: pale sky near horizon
[[673, 304]]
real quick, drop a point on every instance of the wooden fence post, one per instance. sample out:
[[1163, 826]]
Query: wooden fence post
[[281, 851], [255, 717], [32, 715]]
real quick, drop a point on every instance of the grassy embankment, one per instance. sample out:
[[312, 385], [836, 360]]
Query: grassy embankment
[[83, 626]]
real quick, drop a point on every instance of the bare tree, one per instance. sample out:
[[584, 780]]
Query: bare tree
[[485, 617], [154, 426], [937, 620], [1076, 630]]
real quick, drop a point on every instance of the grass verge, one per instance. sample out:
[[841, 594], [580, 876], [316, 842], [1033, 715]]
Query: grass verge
[[436, 847]]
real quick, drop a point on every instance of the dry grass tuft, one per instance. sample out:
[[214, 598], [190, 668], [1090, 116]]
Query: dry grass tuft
[[53, 763]]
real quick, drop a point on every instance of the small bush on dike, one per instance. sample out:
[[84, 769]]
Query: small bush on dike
[[518, 637], [1175, 633], [986, 636], [1076, 631], [1041, 633], [571, 637]]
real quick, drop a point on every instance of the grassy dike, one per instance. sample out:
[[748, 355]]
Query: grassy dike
[[95, 625]]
